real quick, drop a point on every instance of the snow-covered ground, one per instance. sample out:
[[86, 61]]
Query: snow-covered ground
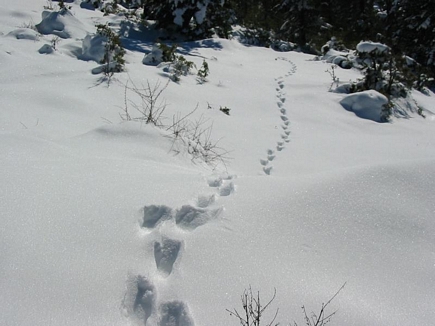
[[102, 224]]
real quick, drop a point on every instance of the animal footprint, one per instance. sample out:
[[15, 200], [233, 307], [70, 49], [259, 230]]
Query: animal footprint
[[166, 254], [140, 298], [215, 182], [271, 157], [284, 118], [267, 169], [189, 217], [205, 200], [175, 313], [264, 162], [144, 301], [155, 214], [227, 189]]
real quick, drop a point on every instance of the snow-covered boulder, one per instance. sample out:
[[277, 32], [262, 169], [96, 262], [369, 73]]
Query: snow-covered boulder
[[366, 105]]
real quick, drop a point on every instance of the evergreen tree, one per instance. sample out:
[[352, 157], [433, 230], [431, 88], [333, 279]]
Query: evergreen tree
[[301, 21], [257, 13], [196, 18], [409, 28]]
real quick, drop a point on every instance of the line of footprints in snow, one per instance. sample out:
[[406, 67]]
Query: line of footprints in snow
[[285, 136], [140, 303]]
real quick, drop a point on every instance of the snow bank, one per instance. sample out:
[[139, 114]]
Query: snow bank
[[366, 105], [371, 46]]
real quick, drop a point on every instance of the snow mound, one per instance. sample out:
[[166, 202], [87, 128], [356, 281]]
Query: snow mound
[[24, 34], [93, 48], [46, 49], [371, 46], [366, 105], [61, 23], [153, 58]]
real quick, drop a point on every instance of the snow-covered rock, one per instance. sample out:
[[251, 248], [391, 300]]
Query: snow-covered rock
[[366, 105]]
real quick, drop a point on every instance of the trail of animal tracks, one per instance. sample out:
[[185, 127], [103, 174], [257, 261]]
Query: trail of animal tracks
[[102, 224]]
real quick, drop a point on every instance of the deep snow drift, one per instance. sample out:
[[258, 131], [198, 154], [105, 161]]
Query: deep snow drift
[[104, 224]]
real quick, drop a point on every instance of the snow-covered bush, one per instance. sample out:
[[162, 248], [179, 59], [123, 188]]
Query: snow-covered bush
[[203, 72], [160, 52], [333, 44], [336, 53], [180, 67], [113, 58], [381, 72], [164, 57]]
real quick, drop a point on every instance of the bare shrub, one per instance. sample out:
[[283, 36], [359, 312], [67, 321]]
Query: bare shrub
[[252, 312], [150, 107], [195, 137], [191, 136], [322, 317]]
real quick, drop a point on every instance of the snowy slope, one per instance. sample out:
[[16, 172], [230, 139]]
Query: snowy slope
[[103, 225]]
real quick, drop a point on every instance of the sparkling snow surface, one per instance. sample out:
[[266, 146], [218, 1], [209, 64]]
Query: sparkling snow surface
[[102, 224]]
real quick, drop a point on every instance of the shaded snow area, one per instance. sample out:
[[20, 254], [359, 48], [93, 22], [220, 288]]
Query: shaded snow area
[[112, 222]]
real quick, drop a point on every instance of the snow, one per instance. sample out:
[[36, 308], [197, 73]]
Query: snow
[[371, 46], [200, 14], [366, 105], [178, 13], [153, 58], [61, 23], [102, 224], [93, 48], [46, 49], [24, 33]]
